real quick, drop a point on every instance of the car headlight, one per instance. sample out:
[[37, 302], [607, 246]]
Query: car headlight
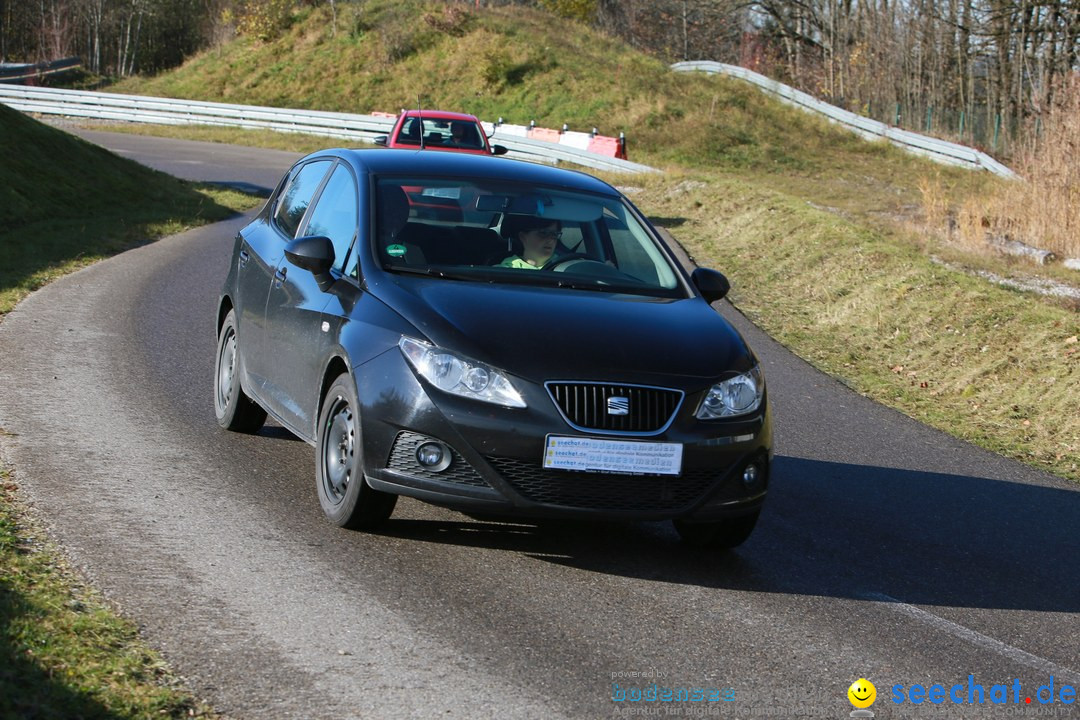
[[454, 374], [734, 396]]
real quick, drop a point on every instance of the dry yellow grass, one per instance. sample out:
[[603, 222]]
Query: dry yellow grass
[[1043, 210]]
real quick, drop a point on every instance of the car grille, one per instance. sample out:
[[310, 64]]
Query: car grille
[[599, 491], [586, 406], [403, 460]]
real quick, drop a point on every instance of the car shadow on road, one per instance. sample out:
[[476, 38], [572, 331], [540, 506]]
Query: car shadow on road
[[837, 530], [277, 432]]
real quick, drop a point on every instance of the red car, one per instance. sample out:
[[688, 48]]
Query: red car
[[439, 130]]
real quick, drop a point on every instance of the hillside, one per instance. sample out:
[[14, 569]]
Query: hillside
[[51, 174], [524, 65], [508, 62], [69, 202]]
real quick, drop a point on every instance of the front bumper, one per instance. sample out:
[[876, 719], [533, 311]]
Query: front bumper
[[496, 456]]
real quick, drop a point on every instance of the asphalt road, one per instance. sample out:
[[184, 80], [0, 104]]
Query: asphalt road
[[887, 550]]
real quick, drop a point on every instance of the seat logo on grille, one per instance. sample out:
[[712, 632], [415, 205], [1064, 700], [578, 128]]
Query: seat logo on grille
[[618, 406]]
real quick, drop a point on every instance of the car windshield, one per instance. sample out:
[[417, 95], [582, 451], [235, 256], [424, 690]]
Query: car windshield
[[445, 133], [492, 232]]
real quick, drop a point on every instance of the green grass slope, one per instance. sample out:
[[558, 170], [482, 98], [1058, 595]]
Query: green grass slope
[[509, 62], [69, 202]]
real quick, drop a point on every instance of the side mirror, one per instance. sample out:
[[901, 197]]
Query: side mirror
[[314, 254], [499, 150], [711, 284], [380, 140]]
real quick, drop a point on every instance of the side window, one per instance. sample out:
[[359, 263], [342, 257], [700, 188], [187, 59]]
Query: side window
[[294, 201], [410, 132], [465, 135], [335, 214]]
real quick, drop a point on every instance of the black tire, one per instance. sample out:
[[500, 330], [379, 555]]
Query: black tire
[[234, 409], [346, 498], [720, 535]]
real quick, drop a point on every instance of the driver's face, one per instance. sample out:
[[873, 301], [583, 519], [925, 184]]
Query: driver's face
[[539, 244]]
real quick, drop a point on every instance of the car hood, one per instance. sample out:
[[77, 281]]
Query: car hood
[[545, 333]]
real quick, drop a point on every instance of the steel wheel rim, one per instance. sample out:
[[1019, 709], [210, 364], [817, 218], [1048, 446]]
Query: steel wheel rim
[[338, 450], [226, 370]]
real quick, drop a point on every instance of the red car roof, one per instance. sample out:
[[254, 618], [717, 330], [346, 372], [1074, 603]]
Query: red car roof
[[439, 115]]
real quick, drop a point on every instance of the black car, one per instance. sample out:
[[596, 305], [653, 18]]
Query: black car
[[495, 336]]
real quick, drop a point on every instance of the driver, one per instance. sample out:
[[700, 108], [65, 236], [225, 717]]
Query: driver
[[533, 240]]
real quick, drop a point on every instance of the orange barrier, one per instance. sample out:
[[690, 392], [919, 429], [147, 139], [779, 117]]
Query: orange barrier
[[610, 146], [544, 134]]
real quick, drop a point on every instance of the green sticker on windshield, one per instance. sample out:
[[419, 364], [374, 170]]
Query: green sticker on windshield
[[395, 250]]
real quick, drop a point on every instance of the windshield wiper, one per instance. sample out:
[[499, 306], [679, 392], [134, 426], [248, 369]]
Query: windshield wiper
[[529, 277], [525, 278], [429, 272]]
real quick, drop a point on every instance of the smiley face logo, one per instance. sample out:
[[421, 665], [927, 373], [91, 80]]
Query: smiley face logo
[[862, 693]]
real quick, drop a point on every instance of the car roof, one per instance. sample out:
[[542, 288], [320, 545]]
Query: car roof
[[463, 165], [439, 115]]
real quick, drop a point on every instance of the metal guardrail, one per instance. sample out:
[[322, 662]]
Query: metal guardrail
[[18, 72], [364, 128], [940, 150]]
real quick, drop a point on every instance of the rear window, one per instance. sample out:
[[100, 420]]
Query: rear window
[[462, 134]]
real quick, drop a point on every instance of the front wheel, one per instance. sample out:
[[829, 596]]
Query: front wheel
[[719, 535], [232, 407], [346, 498]]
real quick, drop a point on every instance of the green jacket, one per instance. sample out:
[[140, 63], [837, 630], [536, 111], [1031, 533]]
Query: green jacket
[[516, 262]]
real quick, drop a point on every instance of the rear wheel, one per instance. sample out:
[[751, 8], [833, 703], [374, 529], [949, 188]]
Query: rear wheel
[[720, 535], [345, 497], [234, 409]]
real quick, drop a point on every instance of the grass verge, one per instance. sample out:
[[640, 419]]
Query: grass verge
[[39, 252], [64, 653], [69, 203]]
